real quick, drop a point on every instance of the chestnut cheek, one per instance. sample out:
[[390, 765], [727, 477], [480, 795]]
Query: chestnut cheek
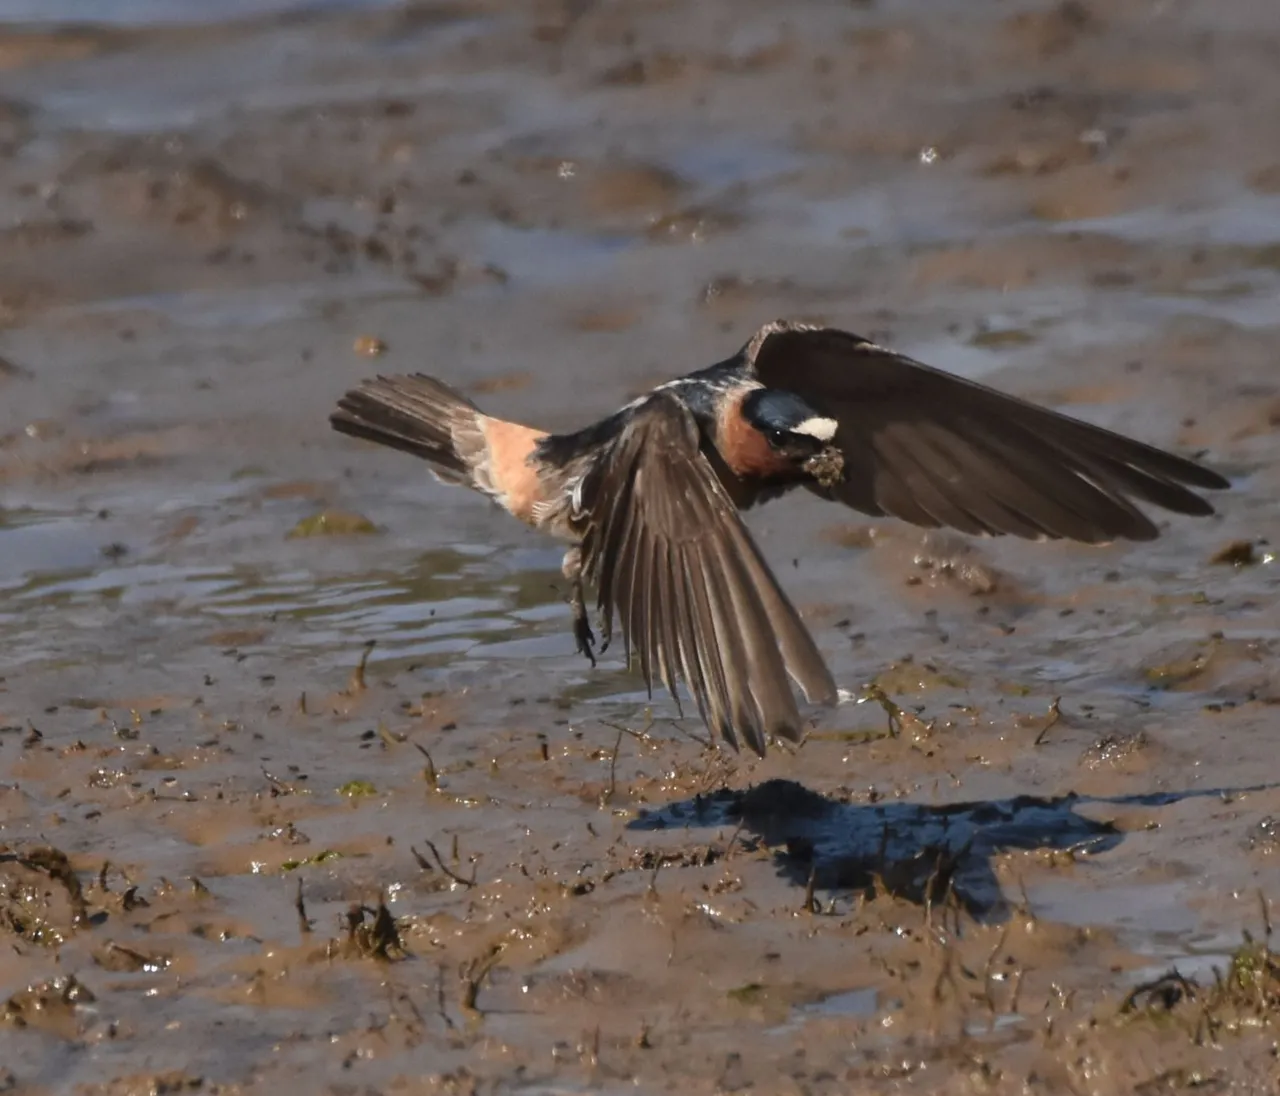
[[747, 452]]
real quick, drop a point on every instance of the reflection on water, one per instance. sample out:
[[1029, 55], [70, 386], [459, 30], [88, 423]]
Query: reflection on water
[[457, 601], [465, 607]]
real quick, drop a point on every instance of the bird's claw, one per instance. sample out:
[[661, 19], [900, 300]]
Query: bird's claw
[[585, 638]]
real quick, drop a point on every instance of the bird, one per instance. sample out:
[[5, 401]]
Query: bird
[[650, 498]]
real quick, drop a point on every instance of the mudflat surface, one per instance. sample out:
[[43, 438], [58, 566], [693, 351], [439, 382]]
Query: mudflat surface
[[231, 863]]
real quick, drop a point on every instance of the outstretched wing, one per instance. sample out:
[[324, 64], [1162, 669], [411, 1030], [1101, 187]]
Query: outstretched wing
[[673, 563], [937, 450]]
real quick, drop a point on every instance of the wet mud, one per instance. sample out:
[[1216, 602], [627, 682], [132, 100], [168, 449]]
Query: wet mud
[[302, 783]]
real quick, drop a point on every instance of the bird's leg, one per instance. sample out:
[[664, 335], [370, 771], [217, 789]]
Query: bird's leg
[[582, 633]]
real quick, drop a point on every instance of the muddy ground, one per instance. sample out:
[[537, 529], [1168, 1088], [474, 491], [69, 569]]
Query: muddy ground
[[230, 862]]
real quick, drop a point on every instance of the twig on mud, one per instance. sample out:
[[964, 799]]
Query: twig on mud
[[652, 891], [304, 923], [931, 885], [946, 974], [440, 1001], [951, 901], [607, 797], [429, 774], [278, 786], [445, 867], [390, 738], [1026, 900], [733, 839], [474, 975], [810, 898], [988, 968], [641, 735], [1016, 993], [358, 684], [1054, 718], [1266, 913]]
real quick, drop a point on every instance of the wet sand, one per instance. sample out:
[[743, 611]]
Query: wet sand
[[229, 862]]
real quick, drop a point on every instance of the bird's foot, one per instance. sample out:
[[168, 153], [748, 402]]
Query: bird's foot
[[585, 637]]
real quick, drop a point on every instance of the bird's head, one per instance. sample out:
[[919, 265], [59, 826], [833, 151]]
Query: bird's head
[[795, 432]]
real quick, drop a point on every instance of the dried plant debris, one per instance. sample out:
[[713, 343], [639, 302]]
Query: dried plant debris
[[118, 959], [698, 856], [53, 1005], [956, 561], [1264, 836], [372, 933], [1162, 994], [29, 909], [1243, 997], [1243, 553]]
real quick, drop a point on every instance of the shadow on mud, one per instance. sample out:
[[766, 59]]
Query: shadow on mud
[[926, 854]]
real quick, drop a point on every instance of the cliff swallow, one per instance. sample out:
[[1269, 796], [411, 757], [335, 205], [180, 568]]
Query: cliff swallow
[[650, 497]]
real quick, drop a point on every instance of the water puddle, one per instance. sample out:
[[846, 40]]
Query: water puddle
[[550, 257], [1151, 913], [1247, 220], [726, 162], [258, 306], [466, 606], [854, 1002], [157, 13], [1002, 1021], [36, 543]]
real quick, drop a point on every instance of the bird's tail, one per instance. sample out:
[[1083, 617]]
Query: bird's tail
[[417, 414]]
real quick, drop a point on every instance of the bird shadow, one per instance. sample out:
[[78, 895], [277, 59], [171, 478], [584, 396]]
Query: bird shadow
[[925, 854]]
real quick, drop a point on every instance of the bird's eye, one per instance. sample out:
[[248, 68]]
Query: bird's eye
[[777, 438]]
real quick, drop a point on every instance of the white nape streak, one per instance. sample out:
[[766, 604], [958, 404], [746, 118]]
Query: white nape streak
[[822, 429]]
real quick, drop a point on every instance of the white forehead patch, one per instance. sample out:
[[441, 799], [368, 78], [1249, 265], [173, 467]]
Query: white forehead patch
[[822, 429]]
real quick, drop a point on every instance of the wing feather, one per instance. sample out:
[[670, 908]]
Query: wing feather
[[673, 563], [935, 449]]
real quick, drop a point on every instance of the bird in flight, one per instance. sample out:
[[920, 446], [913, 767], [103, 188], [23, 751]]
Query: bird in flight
[[650, 497]]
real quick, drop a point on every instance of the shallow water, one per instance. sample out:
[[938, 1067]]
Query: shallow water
[[205, 214]]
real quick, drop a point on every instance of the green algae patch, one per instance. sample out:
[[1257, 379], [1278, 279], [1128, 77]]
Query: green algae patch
[[333, 523], [319, 858]]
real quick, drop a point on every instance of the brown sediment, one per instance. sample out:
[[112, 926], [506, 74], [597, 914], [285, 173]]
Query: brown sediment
[[458, 860]]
